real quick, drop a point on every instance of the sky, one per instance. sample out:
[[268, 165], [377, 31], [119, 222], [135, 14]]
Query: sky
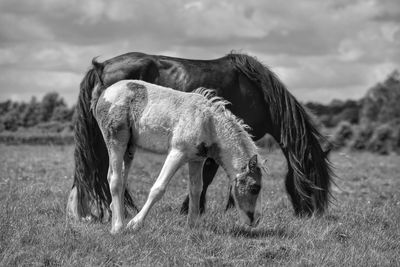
[[321, 50]]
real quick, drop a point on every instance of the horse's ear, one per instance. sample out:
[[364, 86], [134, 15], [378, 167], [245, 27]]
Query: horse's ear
[[253, 163]]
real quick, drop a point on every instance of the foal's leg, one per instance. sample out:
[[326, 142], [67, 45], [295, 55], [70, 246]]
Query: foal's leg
[[210, 168], [174, 161], [116, 182], [195, 186], [231, 202]]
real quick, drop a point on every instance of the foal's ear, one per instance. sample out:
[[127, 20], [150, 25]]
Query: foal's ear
[[253, 163]]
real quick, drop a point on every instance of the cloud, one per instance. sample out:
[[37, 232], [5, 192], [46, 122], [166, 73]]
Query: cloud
[[320, 49], [388, 11], [24, 84]]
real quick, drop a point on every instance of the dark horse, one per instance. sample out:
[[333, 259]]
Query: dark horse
[[256, 95]]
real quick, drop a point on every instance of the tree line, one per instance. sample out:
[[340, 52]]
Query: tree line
[[51, 112], [379, 105], [370, 123]]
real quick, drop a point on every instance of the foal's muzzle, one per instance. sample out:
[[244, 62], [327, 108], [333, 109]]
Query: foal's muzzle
[[254, 219]]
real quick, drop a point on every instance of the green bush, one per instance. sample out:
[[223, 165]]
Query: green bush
[[343, 134], [361, 137], [377, 138], [381, 140]]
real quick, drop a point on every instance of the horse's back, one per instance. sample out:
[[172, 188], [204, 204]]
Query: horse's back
[[178, 73], [220, 74]]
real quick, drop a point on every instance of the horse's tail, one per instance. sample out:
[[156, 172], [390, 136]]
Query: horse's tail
[[91, 156], [309, 172]]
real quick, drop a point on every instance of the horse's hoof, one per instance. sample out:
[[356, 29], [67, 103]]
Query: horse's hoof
[[185, 210]]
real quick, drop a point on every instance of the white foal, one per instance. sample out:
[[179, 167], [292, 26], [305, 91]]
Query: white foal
[[189, 127]]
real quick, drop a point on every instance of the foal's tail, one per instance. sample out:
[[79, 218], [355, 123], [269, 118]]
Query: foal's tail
[[309, 173], [91, 156]]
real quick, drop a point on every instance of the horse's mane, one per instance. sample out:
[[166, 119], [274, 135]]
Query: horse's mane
[[217, 105]]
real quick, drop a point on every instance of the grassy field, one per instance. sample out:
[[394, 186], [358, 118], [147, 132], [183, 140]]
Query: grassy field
[[361, 228]]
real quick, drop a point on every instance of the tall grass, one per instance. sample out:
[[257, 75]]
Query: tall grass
[[362, 227]]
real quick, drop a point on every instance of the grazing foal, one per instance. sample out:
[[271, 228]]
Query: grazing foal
[[189, 127]]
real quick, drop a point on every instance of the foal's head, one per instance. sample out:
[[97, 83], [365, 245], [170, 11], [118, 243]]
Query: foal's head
[[246, 192]]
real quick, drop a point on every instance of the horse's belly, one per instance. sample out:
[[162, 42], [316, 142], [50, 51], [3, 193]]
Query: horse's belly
[[154, 140]]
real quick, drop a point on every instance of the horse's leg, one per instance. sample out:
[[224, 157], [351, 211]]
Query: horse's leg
[[195, 187], [128, 158], [173, 162], [107, 213], [72, 205], [210, 168], [75, 211]]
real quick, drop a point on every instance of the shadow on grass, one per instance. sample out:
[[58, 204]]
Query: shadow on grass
[[241, 231], [246, 232], [275, 254]]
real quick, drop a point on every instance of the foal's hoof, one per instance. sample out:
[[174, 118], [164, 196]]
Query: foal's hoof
[[116, 229], [134, 225], [88, 218]]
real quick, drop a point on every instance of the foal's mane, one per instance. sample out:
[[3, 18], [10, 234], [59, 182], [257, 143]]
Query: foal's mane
[[217, 105]]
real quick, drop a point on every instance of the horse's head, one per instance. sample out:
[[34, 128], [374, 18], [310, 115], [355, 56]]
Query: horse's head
[[246, 192]]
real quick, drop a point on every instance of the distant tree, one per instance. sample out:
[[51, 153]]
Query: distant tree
[[5, 107], [349, 111], [381, 103], [31, 115], [52, 108], [343, 134], [391, 109], [332, 114], [62, 114], [362, 137], [372, 103], [382, 139], [10, 120], [49, 103]]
